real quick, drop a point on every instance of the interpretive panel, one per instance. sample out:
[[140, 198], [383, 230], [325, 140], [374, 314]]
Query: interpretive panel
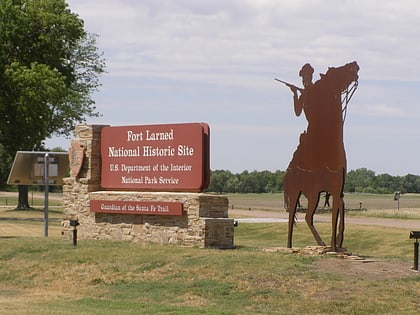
[[171, 157], [29, 168], [136, 207]]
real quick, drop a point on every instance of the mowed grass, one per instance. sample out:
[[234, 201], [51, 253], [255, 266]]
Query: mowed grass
[[353, 201], [369, 205], [41, 275], [49, 276]]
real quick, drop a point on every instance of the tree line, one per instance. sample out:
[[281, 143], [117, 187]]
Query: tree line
[[360, 180]]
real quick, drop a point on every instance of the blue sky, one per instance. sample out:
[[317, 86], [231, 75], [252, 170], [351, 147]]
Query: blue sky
[[172, 61]]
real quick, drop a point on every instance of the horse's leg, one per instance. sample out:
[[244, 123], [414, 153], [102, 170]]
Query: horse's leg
[[337, 210], [313, 199], [292, 213], [340, 210], [340, 235], [291, 205]]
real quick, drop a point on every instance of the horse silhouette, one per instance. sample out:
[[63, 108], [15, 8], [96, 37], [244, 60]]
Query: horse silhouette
[[319, 163]]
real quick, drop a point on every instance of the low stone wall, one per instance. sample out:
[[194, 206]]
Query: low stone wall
[[204, 221]]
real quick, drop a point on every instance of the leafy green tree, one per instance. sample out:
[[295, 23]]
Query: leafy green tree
[[5, 162], [278, 180], [411, 183], [218, 180], [359, 180], [233, 185], [385, 183], [49, 67]]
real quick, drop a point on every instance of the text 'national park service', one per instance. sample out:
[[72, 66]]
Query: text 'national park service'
[[155, 157]]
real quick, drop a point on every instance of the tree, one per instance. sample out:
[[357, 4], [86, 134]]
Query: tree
[[5, 162], [411, 183], [218, 180], [49, 67], [359, 180]]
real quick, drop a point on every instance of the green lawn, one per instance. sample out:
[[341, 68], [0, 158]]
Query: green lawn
[[48, 276], [41, 275]]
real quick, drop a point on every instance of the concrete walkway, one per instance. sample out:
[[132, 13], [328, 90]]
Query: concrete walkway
[[261, 220], [245, 216]]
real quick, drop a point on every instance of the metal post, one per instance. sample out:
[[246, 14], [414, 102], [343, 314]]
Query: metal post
[[46, 180], [74, 223], [397, 196], [74, 236], [416, 255]]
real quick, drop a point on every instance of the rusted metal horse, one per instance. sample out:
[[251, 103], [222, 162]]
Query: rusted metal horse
[[319, 162]]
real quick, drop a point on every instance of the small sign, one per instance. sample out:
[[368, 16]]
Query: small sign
[[171, 157], [76, 156], [28, 168], [137, 207]]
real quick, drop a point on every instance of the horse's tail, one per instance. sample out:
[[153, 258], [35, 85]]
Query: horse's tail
[[289, 205], [286, 195]]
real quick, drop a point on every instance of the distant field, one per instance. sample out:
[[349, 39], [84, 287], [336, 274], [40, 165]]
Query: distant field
[[36, 199], [254, 201], [29, 222], [352, 201]]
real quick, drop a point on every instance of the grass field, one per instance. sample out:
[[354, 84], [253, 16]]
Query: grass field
[[41, 275], [352, 201], [356, 204]]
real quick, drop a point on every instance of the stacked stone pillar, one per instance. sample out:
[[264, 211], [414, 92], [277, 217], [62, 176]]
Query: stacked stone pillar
[[204, 221]]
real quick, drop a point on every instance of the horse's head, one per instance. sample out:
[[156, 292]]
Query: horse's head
[[340, 78]]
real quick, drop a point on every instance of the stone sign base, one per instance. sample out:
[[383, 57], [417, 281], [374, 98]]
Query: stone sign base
[[203, 222], [199, 219]]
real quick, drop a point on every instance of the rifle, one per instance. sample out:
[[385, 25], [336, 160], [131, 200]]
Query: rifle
[[289, 85]]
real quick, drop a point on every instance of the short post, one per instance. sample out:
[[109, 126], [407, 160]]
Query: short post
[[74, 224], [397, 196], [416, 235], [46, 188]]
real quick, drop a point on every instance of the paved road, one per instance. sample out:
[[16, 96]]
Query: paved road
[[245, 216]]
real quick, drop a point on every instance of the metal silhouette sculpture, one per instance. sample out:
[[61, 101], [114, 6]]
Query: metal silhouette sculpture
[[319, 162]]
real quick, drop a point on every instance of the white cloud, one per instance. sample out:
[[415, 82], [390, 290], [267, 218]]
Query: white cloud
[[167, 37], [216, 60], [381, 110]]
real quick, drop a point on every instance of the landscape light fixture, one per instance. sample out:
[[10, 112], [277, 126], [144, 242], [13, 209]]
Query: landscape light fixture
[[416, 235], [74, 224]]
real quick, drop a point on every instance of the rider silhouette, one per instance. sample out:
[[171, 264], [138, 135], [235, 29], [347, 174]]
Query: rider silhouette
[[316, 143], [299, 101], [319, 162], [305, 102]]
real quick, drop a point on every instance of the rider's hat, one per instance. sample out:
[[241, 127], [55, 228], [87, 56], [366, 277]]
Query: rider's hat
[[307, 68]]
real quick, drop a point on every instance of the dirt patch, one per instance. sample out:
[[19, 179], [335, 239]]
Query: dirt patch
[[365, 269], [349, 266]]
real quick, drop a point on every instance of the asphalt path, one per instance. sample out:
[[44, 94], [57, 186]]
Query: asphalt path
[[245, 216]]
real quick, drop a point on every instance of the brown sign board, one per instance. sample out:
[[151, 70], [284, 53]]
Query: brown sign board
[[137, 207], [28, 168], [167, 157]]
